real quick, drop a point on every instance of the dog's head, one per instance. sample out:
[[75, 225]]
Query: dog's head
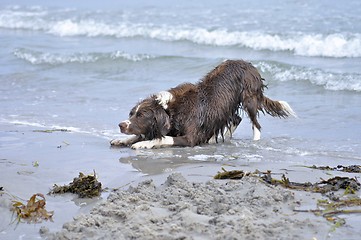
[[148, 118]]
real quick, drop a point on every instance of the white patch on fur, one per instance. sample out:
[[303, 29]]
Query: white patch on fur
[[127, 122], [164, 97], [256, 133], [287, 108], [155, 143], [136, 110]]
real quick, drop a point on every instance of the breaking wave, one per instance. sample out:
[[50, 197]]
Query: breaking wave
[[329, 80], [67, 24], [37, 57], [279, 72]]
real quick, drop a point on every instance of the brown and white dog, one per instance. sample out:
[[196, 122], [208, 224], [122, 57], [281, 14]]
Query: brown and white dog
[[193, 114]]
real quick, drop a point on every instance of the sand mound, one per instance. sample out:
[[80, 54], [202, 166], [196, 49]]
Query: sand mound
[[179, 209]]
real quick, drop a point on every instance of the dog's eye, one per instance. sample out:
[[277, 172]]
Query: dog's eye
[[139, 114]]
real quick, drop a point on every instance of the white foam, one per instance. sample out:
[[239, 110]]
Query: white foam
[[332, 45], [304, 44], [36, 57], [329, 80], [253, 157], [131, 57], [204, 157], [106, 134], [36, 124]]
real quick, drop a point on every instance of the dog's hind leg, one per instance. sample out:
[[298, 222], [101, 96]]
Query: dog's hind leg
[[250, 105], [256, 133], [228, 130], [235, 121]]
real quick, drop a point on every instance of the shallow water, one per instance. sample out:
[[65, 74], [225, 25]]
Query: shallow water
[[82, 65]]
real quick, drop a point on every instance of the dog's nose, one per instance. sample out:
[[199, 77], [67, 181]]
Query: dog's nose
[[124, 125]]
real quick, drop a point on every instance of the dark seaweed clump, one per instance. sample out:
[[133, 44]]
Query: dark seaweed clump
[[348, 169], [86, 186]]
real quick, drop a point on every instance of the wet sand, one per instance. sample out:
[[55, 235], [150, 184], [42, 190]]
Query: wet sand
[[154, 194]]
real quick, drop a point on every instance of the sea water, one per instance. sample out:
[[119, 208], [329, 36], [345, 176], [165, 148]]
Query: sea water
[[82, 65]]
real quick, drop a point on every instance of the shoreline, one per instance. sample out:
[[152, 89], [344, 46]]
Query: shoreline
[[119, 170]]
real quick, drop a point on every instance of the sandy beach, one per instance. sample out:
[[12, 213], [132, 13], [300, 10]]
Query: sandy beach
[[174, 197]]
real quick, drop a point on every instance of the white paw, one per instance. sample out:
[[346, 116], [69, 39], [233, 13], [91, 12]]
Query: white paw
[[118, 142], [256, 134], [143, 145]]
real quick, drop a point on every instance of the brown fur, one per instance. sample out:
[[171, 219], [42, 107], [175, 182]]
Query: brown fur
[[197, 112]]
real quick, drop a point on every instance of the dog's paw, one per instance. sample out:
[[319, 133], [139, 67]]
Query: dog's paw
[[143, 145], [118, 142]]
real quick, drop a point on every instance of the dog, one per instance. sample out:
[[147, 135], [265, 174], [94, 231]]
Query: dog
[[195, 114]]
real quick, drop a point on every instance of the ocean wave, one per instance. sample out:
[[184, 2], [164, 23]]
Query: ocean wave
[[331, 45], [37, 57], [42, 125], [71, 23], [329, 80], [278, 71], [102, 133]]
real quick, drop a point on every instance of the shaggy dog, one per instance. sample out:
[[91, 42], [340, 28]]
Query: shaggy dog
[[193, 114]]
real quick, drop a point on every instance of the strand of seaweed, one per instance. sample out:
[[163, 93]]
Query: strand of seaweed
[[348, 169], [330, 210], [33, 211]]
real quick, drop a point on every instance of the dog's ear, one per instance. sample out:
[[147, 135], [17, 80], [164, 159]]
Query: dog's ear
[[162, 122]]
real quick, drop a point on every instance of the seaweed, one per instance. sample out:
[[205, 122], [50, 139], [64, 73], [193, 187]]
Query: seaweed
[[35, 164], [235, 174], [52, 130], [331, 210], [327, 209], [86, 186], [34, 211], [340, 203], [351, 185], [348, 169], [66, 144]]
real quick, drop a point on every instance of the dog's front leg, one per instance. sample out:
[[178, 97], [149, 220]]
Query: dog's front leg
[[155, 143], [166, 141], [126, 142]]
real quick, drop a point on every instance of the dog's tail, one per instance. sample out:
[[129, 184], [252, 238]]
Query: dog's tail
[[277, 108]]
